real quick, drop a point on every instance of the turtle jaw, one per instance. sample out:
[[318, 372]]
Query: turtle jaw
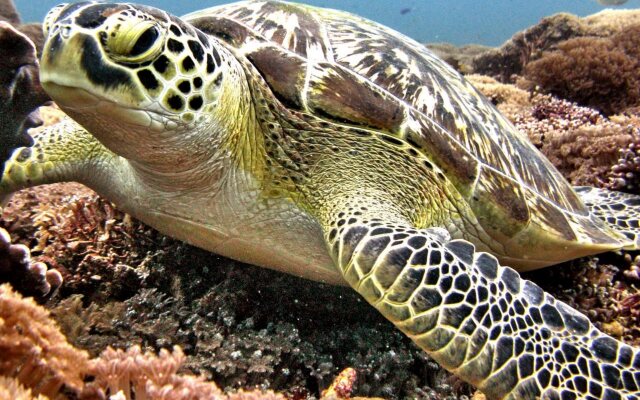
[[125, 131], [81, 105]]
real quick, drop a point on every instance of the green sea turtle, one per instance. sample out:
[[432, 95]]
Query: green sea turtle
[[321, 144]]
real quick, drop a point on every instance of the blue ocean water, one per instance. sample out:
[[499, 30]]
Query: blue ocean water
[[488, 22]]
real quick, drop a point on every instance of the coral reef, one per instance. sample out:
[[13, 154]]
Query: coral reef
[[588, 147], [508, 98], [508, 61], [130, 293], [38, 361], [583, 144], [241, 326], [602, 73]]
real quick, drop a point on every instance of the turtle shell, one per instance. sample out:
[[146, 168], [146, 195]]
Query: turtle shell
[[349, 69]]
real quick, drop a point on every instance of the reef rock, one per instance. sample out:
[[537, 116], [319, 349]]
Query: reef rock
[[459, 57], [20, 90]]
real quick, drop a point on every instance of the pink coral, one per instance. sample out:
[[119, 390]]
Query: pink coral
[[132, 374], [33, 349]]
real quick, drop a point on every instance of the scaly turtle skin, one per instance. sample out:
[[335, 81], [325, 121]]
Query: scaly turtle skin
[[324, 145]]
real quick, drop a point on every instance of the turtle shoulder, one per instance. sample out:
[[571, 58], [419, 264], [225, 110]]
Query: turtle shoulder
[[353, 71]]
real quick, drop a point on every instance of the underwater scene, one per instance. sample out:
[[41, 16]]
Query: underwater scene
[[320, 200]]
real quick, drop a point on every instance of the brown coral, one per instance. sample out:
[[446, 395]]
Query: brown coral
[[33, 349], [603, 73], [508, 61]]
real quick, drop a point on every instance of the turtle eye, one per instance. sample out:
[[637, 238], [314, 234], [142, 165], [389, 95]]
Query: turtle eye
[[134, 42], [145, 41]]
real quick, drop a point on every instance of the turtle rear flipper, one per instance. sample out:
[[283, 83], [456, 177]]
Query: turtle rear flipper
[[620, 211], [478, 319]]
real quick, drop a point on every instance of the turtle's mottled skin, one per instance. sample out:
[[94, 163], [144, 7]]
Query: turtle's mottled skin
[[324, 145]]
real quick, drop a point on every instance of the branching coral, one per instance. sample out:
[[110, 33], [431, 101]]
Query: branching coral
[[580, 142], [132, 374], [33, 349], [603, 73], [625, 174]]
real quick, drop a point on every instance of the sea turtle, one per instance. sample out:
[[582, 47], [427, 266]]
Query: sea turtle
[[321, 144]]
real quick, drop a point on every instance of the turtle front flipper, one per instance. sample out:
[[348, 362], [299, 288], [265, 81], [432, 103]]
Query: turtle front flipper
[[479, 319], [61, 152], [620, 211]]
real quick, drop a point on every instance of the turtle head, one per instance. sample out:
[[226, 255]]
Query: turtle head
[[140, 80]]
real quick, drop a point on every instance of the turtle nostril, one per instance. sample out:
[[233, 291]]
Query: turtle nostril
[[65, 32], [145, 41], [51, 17]]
